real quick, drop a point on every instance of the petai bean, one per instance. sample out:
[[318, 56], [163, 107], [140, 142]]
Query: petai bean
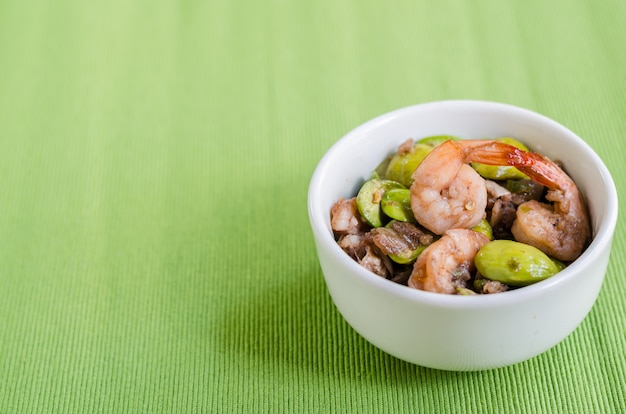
[[369, 197], [396, 204], [514, 263]]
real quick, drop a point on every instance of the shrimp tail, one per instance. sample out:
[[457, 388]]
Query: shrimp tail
[[545, 171], [541, 169]]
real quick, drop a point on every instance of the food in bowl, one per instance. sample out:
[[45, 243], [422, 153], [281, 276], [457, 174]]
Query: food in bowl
[[466, 217]]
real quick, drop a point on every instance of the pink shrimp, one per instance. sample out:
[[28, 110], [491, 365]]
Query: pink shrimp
[[345, 218], [448, 263], [446, 192]]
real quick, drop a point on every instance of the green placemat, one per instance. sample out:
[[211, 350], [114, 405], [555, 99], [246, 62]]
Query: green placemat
[[155, 156]]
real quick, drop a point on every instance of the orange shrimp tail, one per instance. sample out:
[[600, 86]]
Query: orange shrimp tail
[[545, 171], [534, 165]]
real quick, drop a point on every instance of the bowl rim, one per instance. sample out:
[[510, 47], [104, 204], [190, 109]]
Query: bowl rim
[[601, 240]]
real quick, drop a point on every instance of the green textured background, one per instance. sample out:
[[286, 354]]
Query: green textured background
[[155, 251]]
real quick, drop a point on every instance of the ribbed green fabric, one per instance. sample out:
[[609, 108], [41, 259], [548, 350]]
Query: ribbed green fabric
[[155, 250]]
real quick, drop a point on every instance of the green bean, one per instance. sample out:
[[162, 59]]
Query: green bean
[[514, 263], [529, 189], [463, 291], [369, 197], [408, 256], [485, 228], [559, 264], [402, 166], [396, 204]]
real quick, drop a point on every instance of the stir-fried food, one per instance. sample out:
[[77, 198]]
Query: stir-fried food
[[464, 217]]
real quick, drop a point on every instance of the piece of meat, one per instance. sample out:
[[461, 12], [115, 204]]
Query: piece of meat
[[345, 217]]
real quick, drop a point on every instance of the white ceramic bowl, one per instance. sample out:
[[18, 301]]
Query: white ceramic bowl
[[461, 332]]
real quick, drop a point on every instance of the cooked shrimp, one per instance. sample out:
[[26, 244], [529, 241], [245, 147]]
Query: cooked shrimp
[[448, 263], [561, 229], [446, 192], [345, 218]]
